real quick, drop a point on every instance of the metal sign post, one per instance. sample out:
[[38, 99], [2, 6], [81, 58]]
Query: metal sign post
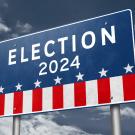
[[115, 116], [16, 125]]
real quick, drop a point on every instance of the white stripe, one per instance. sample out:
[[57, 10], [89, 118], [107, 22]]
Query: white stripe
[[68, 93], [9, 103], [47, 99], [27, 101], [91, 93], [116, 88]]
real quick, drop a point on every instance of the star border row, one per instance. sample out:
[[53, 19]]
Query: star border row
[[103, 73]]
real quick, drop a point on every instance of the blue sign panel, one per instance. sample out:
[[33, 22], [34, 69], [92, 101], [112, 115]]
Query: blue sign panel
[[86, 50]]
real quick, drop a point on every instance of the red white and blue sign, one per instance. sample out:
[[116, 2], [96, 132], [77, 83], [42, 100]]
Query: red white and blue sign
[[87, 63]]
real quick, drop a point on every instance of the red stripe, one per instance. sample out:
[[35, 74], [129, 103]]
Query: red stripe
[[104, 91], [18, 102], [80, 93], [57, 97], [129, 87], [2, 102], [37, 99]]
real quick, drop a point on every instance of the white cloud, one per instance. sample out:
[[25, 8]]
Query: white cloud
[[39, 125], [20, 29], [4, 4], [104, 111], [23, 28], [6, 126], [128, 112], [4, 28], [44, 124], [14, 35]]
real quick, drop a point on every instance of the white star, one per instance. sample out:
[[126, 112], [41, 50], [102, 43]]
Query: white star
[[57, 80], [1, 89], [79, 76], [18, 86], [128, 68], [37, 84], [103, 72]]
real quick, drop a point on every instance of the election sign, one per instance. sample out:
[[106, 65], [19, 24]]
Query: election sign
[[83, 64]]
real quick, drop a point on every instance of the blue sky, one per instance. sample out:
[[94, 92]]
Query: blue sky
[[20, 17]]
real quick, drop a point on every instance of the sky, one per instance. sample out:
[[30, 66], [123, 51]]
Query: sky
[[20, 17]]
